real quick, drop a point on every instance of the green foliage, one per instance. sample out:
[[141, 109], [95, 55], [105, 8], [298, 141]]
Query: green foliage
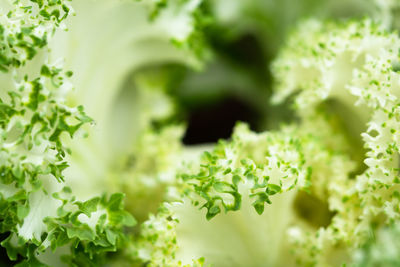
[[89, 115]]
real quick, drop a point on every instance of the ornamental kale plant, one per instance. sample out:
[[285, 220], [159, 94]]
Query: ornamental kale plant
[[196, 133]]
